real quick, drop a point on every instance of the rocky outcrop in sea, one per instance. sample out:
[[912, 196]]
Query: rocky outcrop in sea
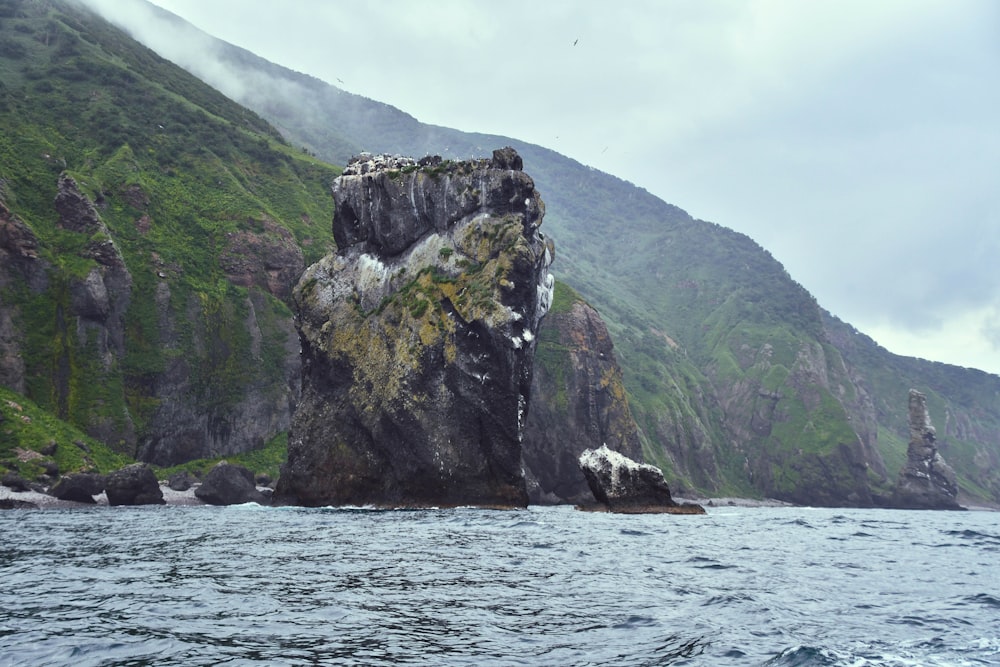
[[926, 480], [418, 337], [627, 487]]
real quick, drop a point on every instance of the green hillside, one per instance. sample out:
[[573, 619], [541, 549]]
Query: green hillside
[[163, 329]]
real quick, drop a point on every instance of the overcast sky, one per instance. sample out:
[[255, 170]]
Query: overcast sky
[[858, 141]]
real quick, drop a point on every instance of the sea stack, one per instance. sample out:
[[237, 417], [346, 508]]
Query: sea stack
[[418, 336], [926, 481]]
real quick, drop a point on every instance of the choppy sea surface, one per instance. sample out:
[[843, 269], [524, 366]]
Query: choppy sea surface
[[249, 585]]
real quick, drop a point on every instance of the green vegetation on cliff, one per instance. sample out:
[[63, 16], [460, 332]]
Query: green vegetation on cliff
[[212, 212], [31, 436]]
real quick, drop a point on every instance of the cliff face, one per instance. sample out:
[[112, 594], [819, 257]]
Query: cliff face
[[926, 481], [166, 376], [19, 265], [578, 402], [418, 337]]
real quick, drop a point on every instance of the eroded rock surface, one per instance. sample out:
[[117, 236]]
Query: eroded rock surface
[[628, 487], [926, 481], [418, 336]]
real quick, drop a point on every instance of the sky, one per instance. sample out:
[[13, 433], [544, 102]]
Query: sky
[[857, 141]]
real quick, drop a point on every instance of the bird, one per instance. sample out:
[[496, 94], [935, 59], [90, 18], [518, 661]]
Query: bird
[[575, 41]]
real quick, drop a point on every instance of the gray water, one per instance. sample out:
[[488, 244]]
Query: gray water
[[249, 585]]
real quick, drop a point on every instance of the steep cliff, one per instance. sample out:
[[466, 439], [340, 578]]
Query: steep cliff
[[578, 402], [418, 337]]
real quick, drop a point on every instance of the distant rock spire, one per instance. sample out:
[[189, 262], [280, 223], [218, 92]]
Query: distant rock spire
[[926, 481]]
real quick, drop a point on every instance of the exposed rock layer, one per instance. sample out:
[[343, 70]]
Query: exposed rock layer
[[926, 481], [418, 336]]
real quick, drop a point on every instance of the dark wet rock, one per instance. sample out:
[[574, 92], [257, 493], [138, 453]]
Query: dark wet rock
[[80, 487], [418, 337], [181, 481], [263, 479], [14, 504], [135, 484], [15, 482], [628, 487], [229, 484], [926, 481]]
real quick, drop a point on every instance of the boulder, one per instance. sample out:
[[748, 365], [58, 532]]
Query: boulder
[[15, 482], [134, 484], [229, 484], [181, 481], [926, 481], [628, 487], [80, 487], [418, 337]]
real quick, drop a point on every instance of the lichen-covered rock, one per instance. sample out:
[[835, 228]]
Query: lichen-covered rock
[[628, 487], [135, 484], [418, 336], [578, 402], [926, 481]]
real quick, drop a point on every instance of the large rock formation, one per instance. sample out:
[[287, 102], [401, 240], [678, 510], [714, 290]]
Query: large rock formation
[[418, 337], [926, 481], [628, 487], [578, 402]]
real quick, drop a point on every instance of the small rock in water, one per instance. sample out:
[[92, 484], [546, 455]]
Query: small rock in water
[[628, 487]]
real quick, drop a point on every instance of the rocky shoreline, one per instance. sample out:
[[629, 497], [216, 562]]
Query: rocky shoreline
[[187, 498], [45, 501]]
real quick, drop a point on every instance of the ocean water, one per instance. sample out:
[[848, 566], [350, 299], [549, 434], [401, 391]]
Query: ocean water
[[249, 585]]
